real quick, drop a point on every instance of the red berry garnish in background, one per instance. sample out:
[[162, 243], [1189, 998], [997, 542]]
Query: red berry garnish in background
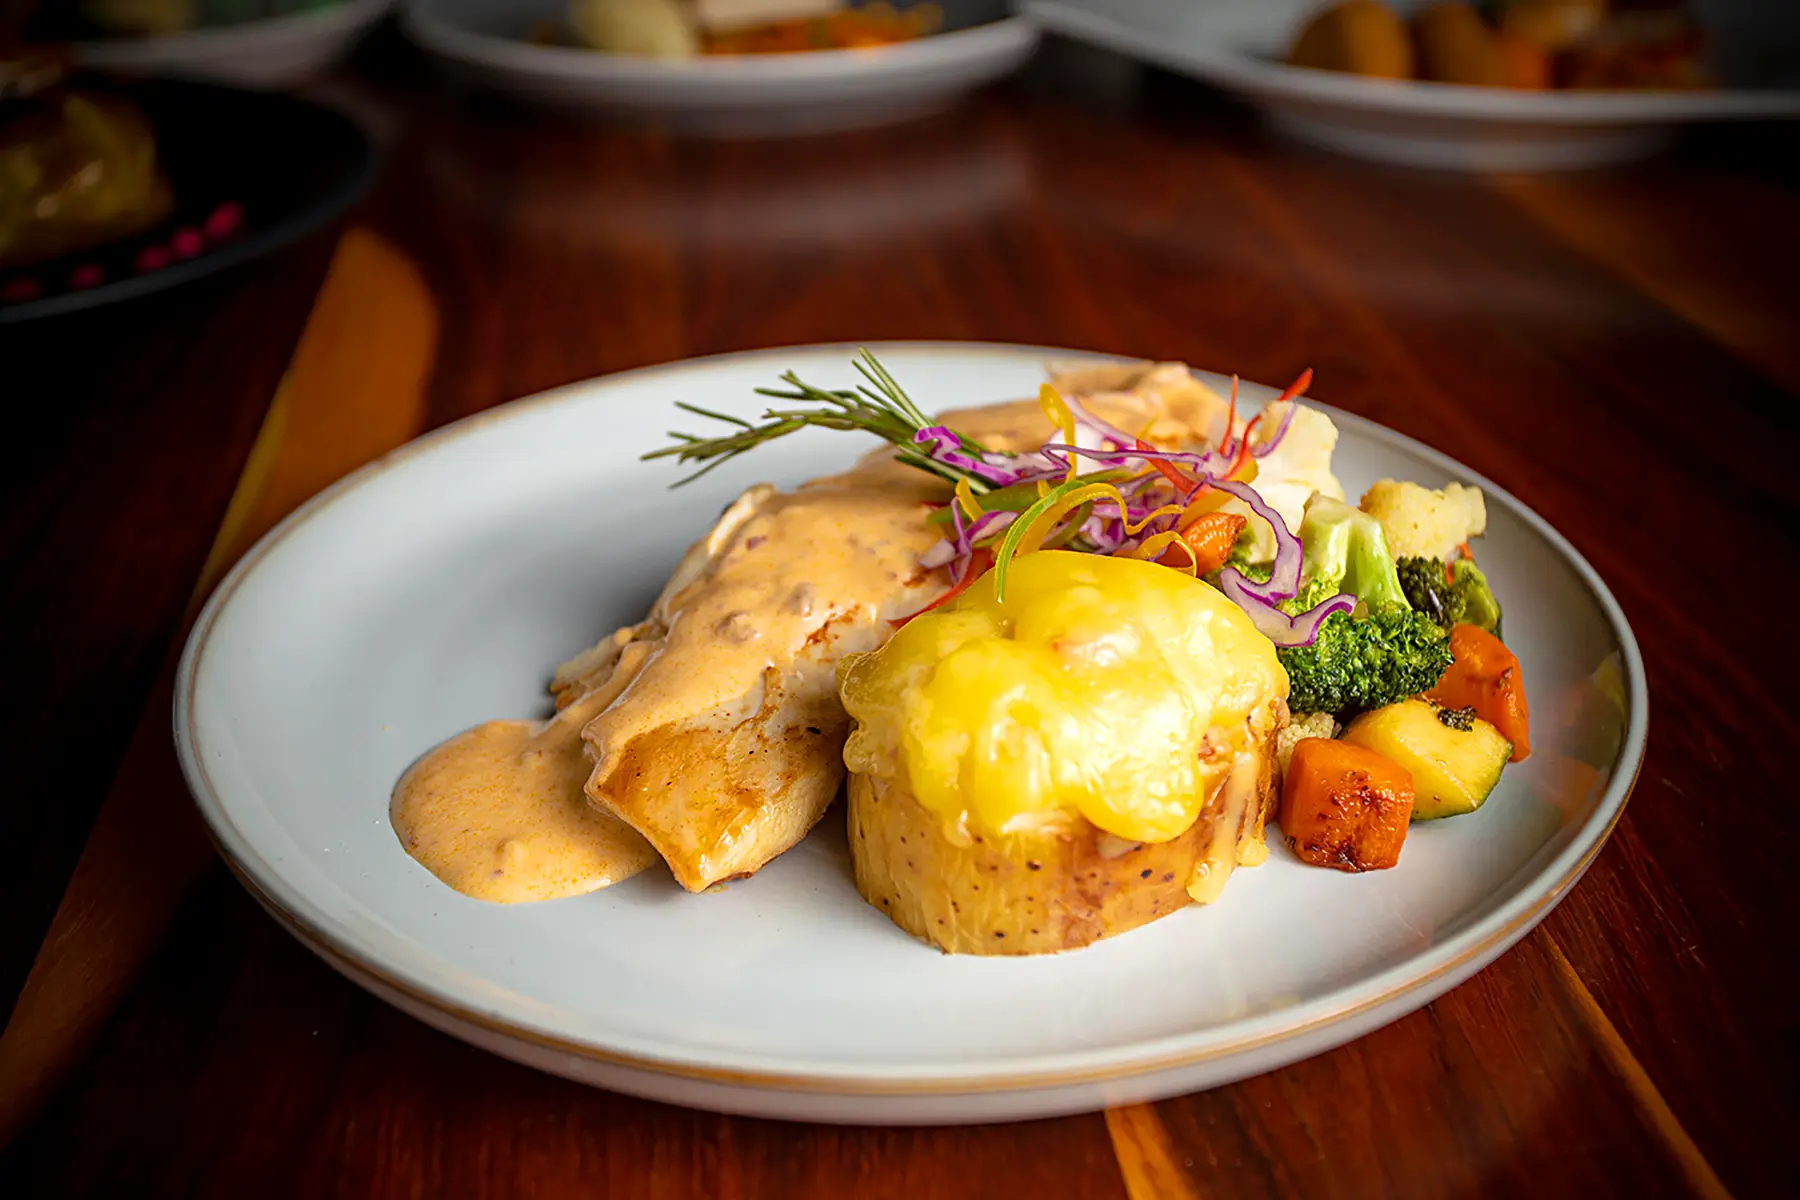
[[86, 275], [22, 288], [224, 220], [187, 242], [153, 258]]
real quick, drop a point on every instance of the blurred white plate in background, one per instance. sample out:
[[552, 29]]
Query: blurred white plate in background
[[278, 52], [1238, 45], [486, 42]]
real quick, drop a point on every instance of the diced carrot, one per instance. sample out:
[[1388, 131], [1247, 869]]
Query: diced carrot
[[1211, 537], [1184, 483], [1345, 806], [1486, 678]]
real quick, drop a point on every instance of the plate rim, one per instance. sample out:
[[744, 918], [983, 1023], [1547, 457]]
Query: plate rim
[[1013, 33], [1471, 948]]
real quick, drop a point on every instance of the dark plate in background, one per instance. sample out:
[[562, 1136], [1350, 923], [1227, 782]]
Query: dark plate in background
[[263, 169]]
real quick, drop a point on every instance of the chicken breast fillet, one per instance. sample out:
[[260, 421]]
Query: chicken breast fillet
[[724, 744]]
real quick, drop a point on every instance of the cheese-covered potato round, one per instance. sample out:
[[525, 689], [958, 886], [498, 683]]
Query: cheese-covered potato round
[[1042, 745]]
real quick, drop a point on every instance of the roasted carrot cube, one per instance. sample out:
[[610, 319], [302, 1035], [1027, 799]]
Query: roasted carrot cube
[[1485, 677], [1345, 806]]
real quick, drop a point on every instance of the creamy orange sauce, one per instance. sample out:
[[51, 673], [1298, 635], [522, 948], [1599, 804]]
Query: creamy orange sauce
[[498, 813], [746, 634]]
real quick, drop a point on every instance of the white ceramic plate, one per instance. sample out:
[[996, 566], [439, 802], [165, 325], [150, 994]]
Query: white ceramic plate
[[1238, 45], [440, 586], [279, 52], [756, 95]]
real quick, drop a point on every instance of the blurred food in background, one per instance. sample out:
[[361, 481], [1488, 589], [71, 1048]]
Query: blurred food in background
[[78, 167], [717, 69], [1363, 37], [678, 29], [1530, 44]]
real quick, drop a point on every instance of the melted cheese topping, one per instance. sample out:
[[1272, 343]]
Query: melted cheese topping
[[1112, 688], [1236, 837]]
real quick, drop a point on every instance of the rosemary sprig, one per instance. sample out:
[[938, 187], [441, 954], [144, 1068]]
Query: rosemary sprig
[[880, 407]]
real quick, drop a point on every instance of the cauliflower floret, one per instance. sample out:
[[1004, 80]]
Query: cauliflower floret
[[1419, 521], [1300, 465], [1306, 725], [1289, 475]]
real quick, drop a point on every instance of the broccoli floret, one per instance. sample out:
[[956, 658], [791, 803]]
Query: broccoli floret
[[1342, 550], [1345, 550], [1242, 551], [1460, 597], [1382, 653], [1480, 606], [1312, 594], [1359, 663], [1428, 589]]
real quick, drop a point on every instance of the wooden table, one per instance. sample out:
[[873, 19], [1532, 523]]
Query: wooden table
[[1620, 350]]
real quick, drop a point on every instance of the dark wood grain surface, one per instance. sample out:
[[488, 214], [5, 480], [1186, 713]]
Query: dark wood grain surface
[[1622, 351]]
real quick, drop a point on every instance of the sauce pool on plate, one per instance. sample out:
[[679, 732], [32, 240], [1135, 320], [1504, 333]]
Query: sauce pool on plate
[[499, 813]]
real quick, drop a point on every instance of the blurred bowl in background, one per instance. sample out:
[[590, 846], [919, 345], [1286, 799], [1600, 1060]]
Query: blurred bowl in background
[[249, 172], [490, 43], [269, 54], [1239, 46]]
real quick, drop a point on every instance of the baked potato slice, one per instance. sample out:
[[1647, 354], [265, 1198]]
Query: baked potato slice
[[1055, 886]]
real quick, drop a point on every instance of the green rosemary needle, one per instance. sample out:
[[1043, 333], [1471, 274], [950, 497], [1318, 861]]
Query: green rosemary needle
[[880, 407]]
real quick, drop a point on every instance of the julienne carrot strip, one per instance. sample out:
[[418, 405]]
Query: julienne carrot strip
[[1171, 472], [1243, 450], [978, 567], [1298, 386], [1242, 454], [1230, 419]]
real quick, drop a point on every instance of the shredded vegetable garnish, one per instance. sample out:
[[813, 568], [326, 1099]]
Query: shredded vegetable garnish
[[1294, 391], [1039, 527], [1060, 417], [1185, 484], [1017, 531], [1135, 500], [1260, 600], [976, 571], [965, 500], [1152, 548], [1231, 420]]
